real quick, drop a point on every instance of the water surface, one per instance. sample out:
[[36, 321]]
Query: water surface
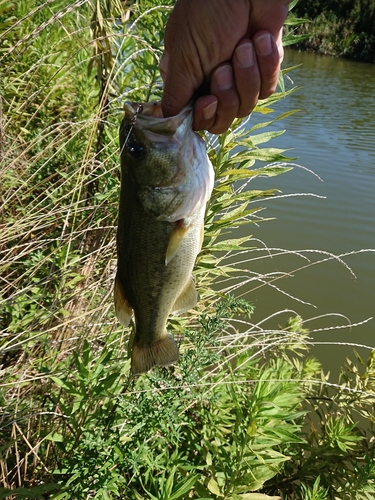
[[333, 135]]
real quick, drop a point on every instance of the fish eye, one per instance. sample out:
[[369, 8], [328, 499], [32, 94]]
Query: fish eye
[[136, 149]]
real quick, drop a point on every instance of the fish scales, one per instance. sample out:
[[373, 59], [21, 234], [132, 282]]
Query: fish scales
[[166, 180]]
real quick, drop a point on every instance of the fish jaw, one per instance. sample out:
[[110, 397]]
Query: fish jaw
[[150, 120]]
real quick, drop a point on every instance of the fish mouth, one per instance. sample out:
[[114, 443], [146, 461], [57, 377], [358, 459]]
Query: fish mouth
[[150, 109], [148, 117]]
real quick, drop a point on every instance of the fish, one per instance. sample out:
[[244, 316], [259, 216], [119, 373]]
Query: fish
[[166, 182]]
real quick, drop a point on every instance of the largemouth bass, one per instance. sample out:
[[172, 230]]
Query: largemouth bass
[[166, 181]]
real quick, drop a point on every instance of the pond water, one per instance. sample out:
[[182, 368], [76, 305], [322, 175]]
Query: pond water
[[334, 136]]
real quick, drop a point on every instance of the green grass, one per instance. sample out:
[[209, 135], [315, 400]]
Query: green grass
[[246, 413]]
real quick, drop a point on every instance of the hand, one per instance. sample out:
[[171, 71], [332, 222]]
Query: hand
[[234, 46]]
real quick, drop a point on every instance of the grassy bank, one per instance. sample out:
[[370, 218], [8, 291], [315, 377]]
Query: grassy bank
[[246, 413], [344, 28]]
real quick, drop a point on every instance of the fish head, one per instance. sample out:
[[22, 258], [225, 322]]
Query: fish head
[[164, 161], [151, 145]]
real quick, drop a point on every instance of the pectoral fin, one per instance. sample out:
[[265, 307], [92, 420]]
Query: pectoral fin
[[122, 307], [177, 236], [187, 299]]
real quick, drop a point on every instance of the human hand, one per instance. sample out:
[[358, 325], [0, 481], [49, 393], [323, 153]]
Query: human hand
[[234, 46]]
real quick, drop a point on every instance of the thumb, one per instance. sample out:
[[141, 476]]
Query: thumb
[[179, 86]]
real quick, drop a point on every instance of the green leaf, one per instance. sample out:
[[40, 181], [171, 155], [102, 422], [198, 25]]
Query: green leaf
[[232, 244], [292, 39], [184, 487], [55, 436], [68, 386], [214, 487], [254, 140], [295, 21], [280, 82], [169, 483], [239, 173], [107, 382]]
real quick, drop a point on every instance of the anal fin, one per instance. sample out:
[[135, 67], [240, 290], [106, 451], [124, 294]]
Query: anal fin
[[163, 352], [123, 309], [187, 299]]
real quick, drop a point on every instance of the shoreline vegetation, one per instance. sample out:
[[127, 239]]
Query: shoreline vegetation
[[341, 28], [247, 413]]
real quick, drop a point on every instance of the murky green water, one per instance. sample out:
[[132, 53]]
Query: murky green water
[[333, 135]]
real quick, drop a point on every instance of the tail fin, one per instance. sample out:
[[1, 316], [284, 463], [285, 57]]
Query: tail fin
[[161, 353]]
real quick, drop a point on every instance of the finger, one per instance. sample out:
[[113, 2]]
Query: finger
[[268, 59], [247, 77], [223, 87], [205, 112]]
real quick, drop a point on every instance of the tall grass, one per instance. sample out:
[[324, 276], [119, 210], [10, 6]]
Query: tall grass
[[230, 419]]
